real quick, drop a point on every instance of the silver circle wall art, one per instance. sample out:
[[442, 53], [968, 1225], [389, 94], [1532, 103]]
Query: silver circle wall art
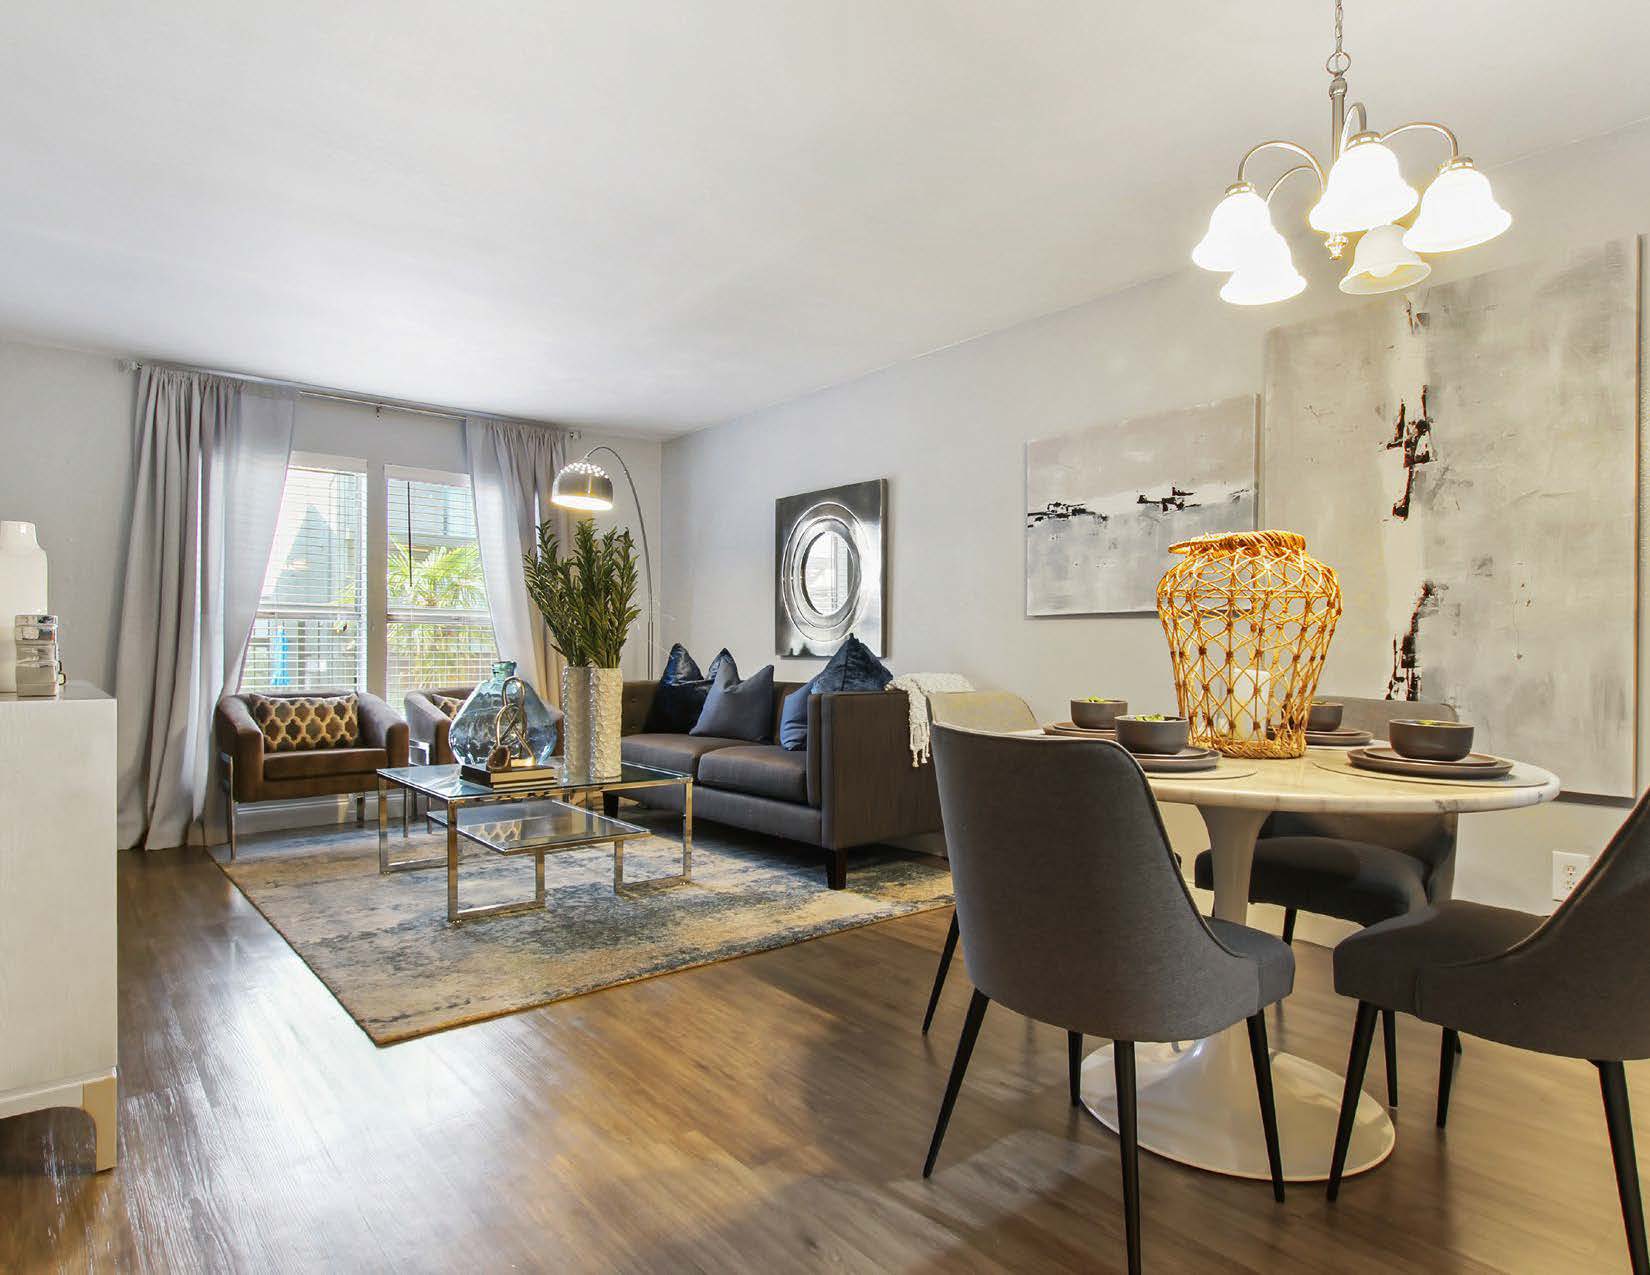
[[830, 569]]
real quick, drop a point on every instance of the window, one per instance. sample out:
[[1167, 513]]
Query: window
[[311, 625], [438, 631]]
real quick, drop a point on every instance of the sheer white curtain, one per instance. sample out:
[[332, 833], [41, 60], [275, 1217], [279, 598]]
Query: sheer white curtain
[[512, 468], [211, 464]]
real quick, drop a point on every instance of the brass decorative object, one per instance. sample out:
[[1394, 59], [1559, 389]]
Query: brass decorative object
[[1249, 616]]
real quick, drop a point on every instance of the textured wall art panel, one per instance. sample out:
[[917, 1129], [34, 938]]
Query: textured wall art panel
[[1103, 505], [1467, 461]]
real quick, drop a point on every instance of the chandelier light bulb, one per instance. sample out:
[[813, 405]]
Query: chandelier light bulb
[[1365, 189], [1268, 275], [1458, 211], [1383, 264], [1240, 221]]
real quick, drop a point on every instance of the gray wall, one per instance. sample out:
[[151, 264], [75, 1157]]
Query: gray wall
[[949, 430], [66, 426], [65, 422]]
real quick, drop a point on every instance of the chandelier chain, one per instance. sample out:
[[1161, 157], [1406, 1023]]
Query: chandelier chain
[[1338, 62]]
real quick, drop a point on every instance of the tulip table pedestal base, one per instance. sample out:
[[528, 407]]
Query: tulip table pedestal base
[[1198, 1106]]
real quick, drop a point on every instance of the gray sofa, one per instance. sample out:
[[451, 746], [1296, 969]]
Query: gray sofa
[[853, 786]]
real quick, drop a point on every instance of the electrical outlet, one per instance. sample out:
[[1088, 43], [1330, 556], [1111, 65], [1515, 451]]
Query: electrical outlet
[[1567, 870]]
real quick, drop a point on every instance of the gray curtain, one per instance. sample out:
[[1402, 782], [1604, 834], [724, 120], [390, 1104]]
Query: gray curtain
[[512, 468], [211, 464]]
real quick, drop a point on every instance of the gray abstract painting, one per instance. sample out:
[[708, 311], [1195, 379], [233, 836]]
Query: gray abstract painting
[[1103, 505], [1467, 462]]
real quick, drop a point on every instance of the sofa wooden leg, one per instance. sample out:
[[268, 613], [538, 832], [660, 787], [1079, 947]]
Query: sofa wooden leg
[[836, 869]]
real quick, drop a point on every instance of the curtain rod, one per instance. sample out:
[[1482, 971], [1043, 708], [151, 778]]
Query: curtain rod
[[305, 390]]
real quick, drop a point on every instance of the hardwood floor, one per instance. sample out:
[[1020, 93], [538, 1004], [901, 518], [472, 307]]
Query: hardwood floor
[[764, 1114]]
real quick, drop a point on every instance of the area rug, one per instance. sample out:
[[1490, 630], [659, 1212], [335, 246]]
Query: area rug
[[383, 947]]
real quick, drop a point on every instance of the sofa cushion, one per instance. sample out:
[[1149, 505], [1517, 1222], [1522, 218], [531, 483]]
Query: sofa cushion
[[306, 721], [682, 690], [739, 710], [312, 763], [852, 668], [793, 719], [762, 770], [680, 753]]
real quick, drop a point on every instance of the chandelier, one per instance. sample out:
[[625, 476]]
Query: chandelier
[[1364, 193]]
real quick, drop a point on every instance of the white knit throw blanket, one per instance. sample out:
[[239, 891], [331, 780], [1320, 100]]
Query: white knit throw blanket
[[918, 687]]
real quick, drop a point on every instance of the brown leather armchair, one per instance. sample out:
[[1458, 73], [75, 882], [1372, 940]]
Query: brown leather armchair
[[428, 725], [250, 773]]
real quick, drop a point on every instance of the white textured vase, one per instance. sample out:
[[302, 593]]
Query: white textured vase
[[22, 590], [575, 721], [606, 721]]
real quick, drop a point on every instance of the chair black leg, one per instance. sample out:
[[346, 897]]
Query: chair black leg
[[1289, 925], [939, 974], [1128, 1130], [1612, 1082], [1268, 1110], [1074, 1066], [1449, 1050], [965, 1047], [1363, 1035], [1389, 1036]]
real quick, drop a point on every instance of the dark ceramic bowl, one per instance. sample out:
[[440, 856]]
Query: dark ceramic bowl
[[1156, 739], [1324, 715], [1430, 741], [1097, 714]]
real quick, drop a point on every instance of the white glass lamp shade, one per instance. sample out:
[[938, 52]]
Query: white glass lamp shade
[[1268, 275], [1383, 264], [1239, 223], [1364, 190], [1458, 211], [582, 485]]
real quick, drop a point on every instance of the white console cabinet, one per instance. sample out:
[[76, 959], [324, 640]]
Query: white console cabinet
[[57, 907]]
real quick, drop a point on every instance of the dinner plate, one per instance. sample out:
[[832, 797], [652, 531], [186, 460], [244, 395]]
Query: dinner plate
[[1472, 766], [1345, 737], [1081, 732], [1171, 763]]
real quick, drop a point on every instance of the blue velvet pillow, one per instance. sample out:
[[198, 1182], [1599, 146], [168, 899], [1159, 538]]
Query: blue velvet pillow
[[738, 710], [682, 692], [852, 668], [793, 719]]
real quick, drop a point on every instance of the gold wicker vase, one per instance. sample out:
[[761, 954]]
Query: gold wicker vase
[[1249, 615]]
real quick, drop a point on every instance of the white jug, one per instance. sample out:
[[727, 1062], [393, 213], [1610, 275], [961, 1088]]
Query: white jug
[[22, 589]]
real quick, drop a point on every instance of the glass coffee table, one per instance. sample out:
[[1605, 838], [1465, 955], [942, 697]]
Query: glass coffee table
[[538, 819]]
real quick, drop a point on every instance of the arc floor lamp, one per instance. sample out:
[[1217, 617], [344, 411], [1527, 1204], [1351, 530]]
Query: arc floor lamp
[[586, 486]]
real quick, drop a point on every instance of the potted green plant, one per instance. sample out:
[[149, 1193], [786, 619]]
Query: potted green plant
[[588, 602]]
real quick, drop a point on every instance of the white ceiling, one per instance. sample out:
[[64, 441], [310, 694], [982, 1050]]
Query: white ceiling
[[656, 214]]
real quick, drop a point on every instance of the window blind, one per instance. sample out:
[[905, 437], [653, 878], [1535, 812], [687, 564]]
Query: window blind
[[310, 633], [439, 632]]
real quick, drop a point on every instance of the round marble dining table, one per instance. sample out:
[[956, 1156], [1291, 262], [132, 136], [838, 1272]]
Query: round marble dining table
[[1197, 1100]]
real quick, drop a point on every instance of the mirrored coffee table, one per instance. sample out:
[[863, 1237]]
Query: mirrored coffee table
[[542, 818]]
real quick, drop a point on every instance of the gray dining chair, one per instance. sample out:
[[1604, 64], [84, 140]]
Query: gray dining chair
[[1358, 868], [973, 710], [1575, 984], [1077, 916]]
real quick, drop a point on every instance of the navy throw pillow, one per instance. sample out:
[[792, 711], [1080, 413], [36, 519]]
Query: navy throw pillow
[[682, 692], [852, 668], [738, 710], [793, 719]]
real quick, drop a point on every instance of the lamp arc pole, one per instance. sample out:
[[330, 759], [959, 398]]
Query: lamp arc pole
[[647, 554]]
